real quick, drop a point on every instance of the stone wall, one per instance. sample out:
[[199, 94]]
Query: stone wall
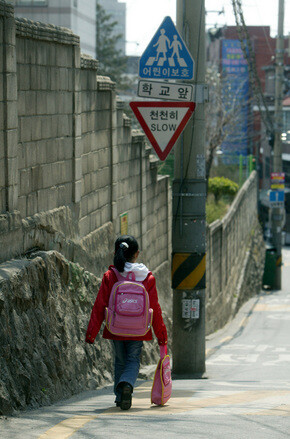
[[235, 258], [45, 303], [69, 160]]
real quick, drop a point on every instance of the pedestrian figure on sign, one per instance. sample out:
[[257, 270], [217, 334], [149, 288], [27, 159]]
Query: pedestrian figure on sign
[[175, 45], [161, 45], [128, 301]]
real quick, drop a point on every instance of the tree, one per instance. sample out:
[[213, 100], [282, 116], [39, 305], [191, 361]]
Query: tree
[[221, 186], [112, 62], [221, 113]]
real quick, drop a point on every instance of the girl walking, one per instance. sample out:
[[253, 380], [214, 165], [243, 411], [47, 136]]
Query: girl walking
[[127, 348]]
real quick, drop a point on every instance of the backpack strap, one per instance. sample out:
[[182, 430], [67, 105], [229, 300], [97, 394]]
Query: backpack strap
[[131, 275]]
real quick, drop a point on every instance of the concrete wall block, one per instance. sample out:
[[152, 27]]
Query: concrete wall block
[[87, 187], [22, 206], [1, 116], [67, 103], [94, 181], [23, 77], [104, 196], [44, 78], [78, 103], [64, 194], [46, 127], [11, 86], [47, 173], [35, 77], [42, 53], [64, 125], [12, 197], [36, 178], [72, 84], [103, 138], [95, 220], [104, 157], [43, 197], [103, 101], [93, 202], [106, 214], [10, 59], [77, 191], [85, 160], [32, 204], [52, 197], [63, 79], [21, 51], [85, 226], [28, 107], [27, 155], [78, 147], [36, 128], [84, 205], [24, 182], [64, 171], [93, 121], [31, 50], [25, 129], [64, 56], [51, 149], [12, 143], [1, 82], [2, 174], [105, 176], [41, 103], [51, 101], [78, 125], [76, 52], [103, 120], [54, 79], [12, 116], [64, 148], [78, 169]]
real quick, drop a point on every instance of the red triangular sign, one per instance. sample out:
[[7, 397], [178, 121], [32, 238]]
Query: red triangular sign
[[162, 122]]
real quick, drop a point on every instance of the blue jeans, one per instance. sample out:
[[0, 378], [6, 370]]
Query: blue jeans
[[127, 363]]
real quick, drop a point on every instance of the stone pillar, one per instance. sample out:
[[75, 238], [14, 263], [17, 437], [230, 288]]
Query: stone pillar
[[9, 113]]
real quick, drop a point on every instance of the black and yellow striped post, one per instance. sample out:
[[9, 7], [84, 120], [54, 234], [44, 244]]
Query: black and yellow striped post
[[189, 224], [188, 271]]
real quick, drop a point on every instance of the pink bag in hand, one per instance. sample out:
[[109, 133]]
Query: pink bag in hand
[[162, 384]]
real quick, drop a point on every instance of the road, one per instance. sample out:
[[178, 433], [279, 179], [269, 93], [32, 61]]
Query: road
[[245, 394]]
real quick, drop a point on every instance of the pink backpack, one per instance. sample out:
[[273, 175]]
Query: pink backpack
[[129, 313]]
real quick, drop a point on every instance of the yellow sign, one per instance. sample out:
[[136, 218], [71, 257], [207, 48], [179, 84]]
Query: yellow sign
[[124, 223]]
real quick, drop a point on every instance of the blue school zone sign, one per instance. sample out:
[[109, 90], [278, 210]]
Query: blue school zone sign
[[166, 56]]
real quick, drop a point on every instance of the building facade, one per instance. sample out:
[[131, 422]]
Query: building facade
[[257, 142], [77, 15]]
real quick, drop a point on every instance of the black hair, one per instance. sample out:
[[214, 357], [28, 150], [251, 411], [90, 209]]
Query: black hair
[[123, 253]]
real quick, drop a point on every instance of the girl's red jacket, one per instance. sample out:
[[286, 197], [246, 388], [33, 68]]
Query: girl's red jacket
[[102, 301]]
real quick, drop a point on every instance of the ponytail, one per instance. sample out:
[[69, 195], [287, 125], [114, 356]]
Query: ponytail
[[125, 248]]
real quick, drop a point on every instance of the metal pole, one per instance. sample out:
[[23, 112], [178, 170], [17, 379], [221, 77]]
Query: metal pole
[[189, 224], [277, 213]]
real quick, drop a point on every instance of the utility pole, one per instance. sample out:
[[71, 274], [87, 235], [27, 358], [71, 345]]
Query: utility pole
[[277, 213], [189, 223]]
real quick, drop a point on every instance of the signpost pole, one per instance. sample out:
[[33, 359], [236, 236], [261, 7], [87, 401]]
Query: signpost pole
[[277, 213], [189, 224]]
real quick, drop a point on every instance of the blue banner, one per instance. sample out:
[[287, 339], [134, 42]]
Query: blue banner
[[235, 95]]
